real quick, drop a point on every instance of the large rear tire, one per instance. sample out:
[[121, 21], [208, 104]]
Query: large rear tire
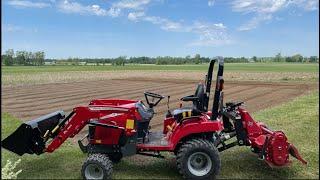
[[97, 166], [198, 159]]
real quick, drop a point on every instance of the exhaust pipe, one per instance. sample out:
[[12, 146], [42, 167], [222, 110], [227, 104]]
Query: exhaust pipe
[[30, 137]]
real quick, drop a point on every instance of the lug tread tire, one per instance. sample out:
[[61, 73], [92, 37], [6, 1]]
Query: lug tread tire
[[193, 145], [101, 159]]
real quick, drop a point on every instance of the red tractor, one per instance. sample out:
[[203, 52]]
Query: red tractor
[[119, 128]]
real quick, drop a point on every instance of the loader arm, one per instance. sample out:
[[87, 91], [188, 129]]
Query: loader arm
[[79, 118], [47, 133]]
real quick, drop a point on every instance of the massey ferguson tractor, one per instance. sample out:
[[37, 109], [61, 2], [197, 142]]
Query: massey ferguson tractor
[[120, 128]]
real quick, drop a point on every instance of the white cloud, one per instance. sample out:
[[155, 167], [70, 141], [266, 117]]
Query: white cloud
[[134, 16], [263, 10], [258, 6], [28, 4], [139, 5], [211, 2], [10, 28], [210, 34], [98, 11], [164, 23], [254, 22], [114, 12], [131, 4], [220, 25], [75, 7], [308, 5]]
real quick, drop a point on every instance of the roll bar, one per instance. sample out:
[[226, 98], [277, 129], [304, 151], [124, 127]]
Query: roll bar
[[219, 86], [208, 81]]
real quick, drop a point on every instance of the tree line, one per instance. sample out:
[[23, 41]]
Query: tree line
[[122, 60], [197, 59], [25, 58], [38, 58]]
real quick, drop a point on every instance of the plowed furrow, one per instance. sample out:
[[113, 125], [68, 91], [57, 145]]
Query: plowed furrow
[[39, 91], [78, 92]]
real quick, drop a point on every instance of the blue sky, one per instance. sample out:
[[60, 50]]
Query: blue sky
[[108, 28]]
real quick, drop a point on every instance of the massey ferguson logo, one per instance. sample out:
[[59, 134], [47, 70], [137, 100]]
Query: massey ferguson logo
[[111, 115]]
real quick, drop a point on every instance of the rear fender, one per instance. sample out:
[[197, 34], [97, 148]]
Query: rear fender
[[193, 127]]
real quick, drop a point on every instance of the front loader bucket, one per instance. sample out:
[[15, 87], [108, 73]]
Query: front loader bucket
[[29, 137]]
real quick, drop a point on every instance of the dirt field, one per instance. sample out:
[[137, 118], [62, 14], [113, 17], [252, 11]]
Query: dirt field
[[28, 102], [31, 79]]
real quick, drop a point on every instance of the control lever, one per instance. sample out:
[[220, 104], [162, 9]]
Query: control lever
[[168, 112]]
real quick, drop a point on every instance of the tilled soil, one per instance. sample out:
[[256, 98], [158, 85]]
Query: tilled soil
[[29, 102]]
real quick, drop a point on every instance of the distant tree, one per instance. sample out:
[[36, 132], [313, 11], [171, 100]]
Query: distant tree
[[305, 59], [39, 58], [313, 59], [278, 58], [7, 58], [28, 58], [254, 58], [119, 61], [243, 59], [288, 59], [197, 59], [297, 58], [20, 58]]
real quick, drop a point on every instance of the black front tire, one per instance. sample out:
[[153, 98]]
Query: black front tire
[[198, 159], [97, 166]]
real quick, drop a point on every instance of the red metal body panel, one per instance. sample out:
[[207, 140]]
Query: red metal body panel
[[187, 127], [114, 102], [194, 126], [168, 122]]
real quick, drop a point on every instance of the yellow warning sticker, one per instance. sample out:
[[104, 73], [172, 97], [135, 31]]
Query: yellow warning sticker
[[130, 124], [186, 114], [183, 114]]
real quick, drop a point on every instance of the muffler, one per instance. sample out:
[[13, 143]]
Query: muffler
[[31, 136]]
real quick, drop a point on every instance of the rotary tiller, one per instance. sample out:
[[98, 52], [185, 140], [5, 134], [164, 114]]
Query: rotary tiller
[[119, 128]]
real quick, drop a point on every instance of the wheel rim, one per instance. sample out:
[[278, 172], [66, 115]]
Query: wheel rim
[[199, 164], [93, 171]]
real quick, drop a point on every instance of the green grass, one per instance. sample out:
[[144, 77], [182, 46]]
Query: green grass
[[298, 119], [237, 67]]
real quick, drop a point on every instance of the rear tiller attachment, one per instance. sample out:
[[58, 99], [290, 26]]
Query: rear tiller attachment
[[271, 146]]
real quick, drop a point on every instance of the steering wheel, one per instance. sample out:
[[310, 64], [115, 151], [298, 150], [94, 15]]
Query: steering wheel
[[156, 98]]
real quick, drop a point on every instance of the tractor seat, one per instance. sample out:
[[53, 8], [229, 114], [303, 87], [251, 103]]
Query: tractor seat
[[181, 110], [185, 112], [145, 113]]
